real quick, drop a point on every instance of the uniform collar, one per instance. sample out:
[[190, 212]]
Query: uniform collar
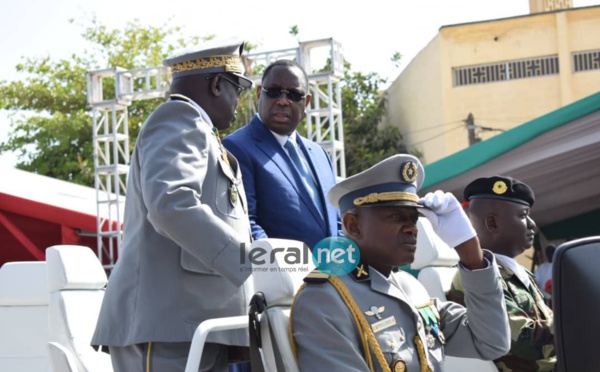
[[361, 273], [203, 114], [513, 266]]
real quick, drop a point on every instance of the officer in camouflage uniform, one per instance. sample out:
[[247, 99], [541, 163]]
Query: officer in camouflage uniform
[[499, 208]]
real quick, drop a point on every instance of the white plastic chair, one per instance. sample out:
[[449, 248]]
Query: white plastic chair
[[278, 281], [60, 358], [436, 261], [23, 317], [279, 286], [76, 282], [206, 327]]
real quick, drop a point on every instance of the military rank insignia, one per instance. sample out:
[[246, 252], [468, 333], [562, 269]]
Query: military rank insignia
[[233, 194], [408, 171], [360, 273]]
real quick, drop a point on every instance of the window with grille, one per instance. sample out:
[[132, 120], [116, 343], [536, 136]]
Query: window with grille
[[586, 61], [508, 70]]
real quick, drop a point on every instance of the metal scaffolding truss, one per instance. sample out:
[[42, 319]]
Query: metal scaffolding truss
[[324, 115], [111, 144], [109, 109]]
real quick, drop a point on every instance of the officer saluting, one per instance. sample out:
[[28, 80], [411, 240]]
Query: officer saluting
[[376, 319]]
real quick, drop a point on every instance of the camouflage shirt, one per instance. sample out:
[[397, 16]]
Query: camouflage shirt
[[531, 323]]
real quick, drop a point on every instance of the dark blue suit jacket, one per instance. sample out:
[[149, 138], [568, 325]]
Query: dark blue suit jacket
[[279, 203]]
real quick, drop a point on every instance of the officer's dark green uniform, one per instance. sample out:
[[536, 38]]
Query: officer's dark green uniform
[[531, 321]]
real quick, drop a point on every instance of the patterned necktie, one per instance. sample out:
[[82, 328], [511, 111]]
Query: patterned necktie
[[305, 174]]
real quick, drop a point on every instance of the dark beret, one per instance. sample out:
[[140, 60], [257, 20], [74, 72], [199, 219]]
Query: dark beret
[[500, 187]]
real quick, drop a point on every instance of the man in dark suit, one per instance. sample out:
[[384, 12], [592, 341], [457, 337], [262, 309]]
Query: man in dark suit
[[286, 176], [185, 223]]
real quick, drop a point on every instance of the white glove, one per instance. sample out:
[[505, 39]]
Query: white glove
[[447, 217]]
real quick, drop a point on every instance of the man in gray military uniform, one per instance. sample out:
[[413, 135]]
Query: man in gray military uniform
[[377, 319], [185, 223]]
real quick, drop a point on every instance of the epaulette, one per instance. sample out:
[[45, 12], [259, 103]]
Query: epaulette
[[316, 276]]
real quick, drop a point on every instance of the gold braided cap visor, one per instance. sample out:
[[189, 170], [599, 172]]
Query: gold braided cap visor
[[382, 198], [219, 63]]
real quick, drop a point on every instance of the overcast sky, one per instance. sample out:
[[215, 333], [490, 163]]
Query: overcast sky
[[370, 32]]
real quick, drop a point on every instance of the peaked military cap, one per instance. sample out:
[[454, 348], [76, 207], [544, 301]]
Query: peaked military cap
[[393, 181], [212, 57], [500, 187]]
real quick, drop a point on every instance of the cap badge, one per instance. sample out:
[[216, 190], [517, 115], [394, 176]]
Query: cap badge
[[409, 171], [499, 187]]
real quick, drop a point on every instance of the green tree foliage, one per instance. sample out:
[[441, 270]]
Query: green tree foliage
[[52, 124], [396, 58], [363, 106], [294, 30]]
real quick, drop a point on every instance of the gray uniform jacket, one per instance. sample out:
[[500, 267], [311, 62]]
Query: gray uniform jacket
[[185, 221], [327, 339]]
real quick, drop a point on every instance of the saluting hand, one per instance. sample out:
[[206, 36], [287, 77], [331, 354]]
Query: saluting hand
[[447, 217], [452, 225]]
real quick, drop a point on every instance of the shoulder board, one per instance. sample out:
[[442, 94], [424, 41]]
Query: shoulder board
[[316, 276], [180, 97]]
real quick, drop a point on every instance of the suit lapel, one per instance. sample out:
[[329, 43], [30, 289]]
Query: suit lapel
[[266, 142]]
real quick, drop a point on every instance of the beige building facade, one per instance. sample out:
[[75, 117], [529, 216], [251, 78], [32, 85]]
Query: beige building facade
[[503, 72]]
